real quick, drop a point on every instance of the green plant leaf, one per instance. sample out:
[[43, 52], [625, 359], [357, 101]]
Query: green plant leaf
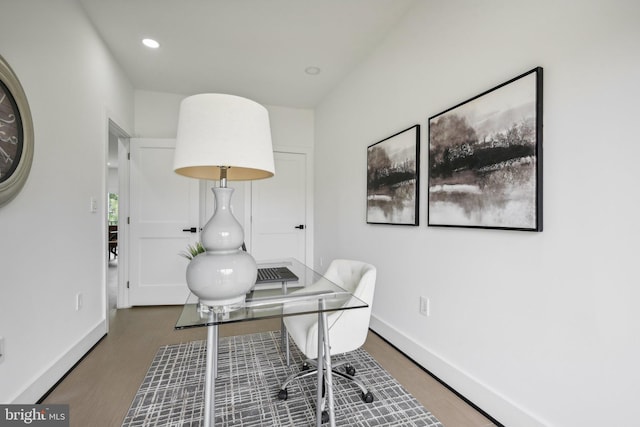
[[193, 251]]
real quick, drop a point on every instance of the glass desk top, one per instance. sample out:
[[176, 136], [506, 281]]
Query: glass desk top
[[310, 293]]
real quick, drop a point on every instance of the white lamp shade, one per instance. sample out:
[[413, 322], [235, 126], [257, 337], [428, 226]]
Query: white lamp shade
[[216, 130]]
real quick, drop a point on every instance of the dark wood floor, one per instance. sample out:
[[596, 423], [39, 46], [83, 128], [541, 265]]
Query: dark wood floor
[[100, 389]]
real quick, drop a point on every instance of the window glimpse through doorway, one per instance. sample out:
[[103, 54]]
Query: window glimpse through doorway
[[113, 209]]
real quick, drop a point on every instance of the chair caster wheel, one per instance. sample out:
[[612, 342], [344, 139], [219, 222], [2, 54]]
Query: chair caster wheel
[[305, 366], [325, 417], [283, 394], [367, 397], [350, 370]]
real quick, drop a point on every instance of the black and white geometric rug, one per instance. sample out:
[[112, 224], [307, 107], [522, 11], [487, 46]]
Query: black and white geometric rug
[[250, 370]]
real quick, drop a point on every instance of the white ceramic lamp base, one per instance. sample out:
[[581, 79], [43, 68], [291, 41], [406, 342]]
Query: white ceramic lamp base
[[224, 274], [221, 279]]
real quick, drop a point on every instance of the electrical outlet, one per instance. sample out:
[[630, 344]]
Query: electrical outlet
[[1, 349], [425, 306], [78, 302]]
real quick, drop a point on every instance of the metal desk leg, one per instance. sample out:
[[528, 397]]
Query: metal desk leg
[[327, 364], [210, 379], [320, 359], [215, 360], [286, 344], [284, 338]]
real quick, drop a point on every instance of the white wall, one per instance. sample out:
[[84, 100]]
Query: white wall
[[156, 116], [535, 328], [292, 129], [52, 247]]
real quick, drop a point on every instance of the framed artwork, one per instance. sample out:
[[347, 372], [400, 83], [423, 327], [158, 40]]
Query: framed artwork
[[16, 134], [485, 159], [393, 167]]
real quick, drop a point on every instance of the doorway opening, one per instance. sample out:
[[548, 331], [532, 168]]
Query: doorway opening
[[112, 241], [117, 193]]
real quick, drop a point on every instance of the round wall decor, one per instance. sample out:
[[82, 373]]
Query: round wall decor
[[16, 134]]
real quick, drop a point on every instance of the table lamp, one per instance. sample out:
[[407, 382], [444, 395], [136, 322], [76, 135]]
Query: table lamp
[[222, 137]]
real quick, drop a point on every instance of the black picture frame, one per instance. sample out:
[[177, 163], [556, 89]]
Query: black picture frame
[[485, 159], [16, 135], [393, 184]]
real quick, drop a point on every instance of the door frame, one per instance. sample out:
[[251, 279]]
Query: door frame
[[124, 148], [309, 225], [123, 195]]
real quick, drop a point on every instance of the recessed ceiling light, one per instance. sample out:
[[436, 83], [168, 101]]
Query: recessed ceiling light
[[151, 43], [312, 71]]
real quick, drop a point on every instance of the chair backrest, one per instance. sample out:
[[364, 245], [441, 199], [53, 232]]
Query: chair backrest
[[357, 277], [348, 328]]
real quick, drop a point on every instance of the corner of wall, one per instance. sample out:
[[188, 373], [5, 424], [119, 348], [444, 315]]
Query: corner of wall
[[481, 395], [44, 381]]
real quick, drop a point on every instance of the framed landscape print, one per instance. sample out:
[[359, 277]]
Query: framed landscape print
[[393, 167], [485, 159]]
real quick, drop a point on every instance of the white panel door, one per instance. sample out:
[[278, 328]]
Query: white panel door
[[162, 205], [278, 210]]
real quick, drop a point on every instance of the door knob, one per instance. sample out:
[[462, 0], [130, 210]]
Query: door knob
[[300, 227], [190, 230]]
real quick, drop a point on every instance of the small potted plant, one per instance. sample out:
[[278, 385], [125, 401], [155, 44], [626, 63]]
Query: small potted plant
[[193, 251]]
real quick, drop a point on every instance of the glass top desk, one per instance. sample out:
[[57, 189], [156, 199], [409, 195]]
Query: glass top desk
[[312, 293]]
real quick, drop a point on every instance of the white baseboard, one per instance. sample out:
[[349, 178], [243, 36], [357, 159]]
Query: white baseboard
[[496, 405], [33, 392]]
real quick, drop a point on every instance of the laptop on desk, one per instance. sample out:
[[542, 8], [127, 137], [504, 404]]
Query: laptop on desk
[[276, 278], [275, 275]]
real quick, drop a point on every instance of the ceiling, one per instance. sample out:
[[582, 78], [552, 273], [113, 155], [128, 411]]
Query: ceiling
[[258, 49]]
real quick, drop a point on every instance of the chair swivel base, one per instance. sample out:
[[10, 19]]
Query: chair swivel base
[[310, 367]]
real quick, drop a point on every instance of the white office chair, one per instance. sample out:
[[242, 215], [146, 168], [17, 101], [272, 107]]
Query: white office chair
[[347, 328]]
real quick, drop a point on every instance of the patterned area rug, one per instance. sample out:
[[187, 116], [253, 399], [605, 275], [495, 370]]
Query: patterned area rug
[[250, 370]]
